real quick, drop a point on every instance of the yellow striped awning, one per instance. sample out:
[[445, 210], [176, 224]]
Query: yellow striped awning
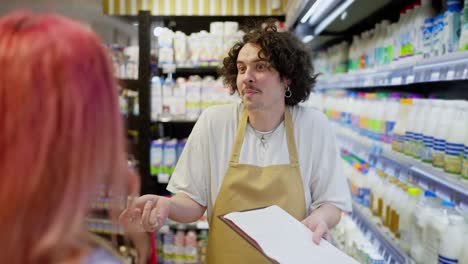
[[196, 7]]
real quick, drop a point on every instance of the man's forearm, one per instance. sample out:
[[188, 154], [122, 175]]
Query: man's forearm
[[185, 210], [329, 213]]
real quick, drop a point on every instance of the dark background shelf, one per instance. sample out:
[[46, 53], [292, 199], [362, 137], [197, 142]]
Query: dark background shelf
[[130, 84]]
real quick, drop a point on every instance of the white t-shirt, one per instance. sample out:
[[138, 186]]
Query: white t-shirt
[[204, 161]]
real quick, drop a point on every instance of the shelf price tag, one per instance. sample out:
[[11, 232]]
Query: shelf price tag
[[396, 80], [435, 76], [409, 79], [450, 75]]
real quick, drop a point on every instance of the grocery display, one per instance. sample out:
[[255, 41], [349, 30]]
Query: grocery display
[[393, 87]]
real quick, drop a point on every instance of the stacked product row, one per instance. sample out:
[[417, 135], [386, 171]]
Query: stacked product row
[[429, 229], [432, 131], [354, 242], [181, 246], [419, 33], [187, 97], [199, 49], [164, 154]]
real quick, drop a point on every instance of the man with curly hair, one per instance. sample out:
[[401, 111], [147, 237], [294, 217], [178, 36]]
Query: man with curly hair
[[263, 151]]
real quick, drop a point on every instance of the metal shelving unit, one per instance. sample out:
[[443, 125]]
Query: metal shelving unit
[[447, 68], [406, 168], [389, 249]]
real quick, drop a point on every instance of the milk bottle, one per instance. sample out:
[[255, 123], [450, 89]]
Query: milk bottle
[[463, 259], [401, 124], [409, 133], [429, 130], [441, 134], [420, 219], [451, 243], [406, 218], [435, 230], [454, 146], [464, 172]]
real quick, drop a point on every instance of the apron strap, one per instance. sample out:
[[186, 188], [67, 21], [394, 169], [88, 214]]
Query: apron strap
[[239, 139], [293, 157]]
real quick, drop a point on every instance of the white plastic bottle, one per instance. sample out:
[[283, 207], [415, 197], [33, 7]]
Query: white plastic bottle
[[435, 231], [406, 218], [421, 217], [464, 28], [454, 146], [451, 20], [452, 240], [421, 119], [441, 134], [409, 133], [429, 129], [464, 173], [463, 258], [401, 125], [420, 126]]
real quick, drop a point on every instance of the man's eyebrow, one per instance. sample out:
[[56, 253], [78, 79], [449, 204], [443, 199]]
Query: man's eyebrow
[[256, 60]]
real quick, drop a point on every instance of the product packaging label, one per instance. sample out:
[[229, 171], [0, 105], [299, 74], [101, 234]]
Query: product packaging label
[[454, 158], [445, 260], [438, 158]]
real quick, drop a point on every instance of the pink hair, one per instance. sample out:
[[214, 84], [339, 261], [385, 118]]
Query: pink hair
[[61, 135]]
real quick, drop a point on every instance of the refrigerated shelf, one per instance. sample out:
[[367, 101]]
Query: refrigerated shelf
[[449, 67], [445, 185], [389, 249]]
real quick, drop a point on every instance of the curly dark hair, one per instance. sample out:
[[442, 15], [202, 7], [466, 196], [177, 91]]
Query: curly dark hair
[[285, 53]]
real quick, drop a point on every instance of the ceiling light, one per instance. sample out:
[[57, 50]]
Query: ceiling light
[[330, 18], [307, 38]]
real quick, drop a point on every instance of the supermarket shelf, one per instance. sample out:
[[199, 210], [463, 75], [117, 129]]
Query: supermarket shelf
[[427, 177], [388, 248], [450, 67], [130, 84], [201, 70], [175, 119]]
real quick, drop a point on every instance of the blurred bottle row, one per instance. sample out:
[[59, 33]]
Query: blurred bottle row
[[419, 33], [428, 228], [433, 131]]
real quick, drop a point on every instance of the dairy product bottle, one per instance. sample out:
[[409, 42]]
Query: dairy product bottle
[[390, 183], [464, 28], [397, 204], [420, 128], [429, 130], [376, 194], [451, 243], [406, 218], [463, 258], [437, 36], [441, 134], [401, 125], [435, 230], [421, 118], [390, 117], [464, 172], [424, 12], [454, 146], [420, 219], [409, 133], [450, 35]]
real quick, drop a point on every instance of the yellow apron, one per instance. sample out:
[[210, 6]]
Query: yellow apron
[[247, 187]]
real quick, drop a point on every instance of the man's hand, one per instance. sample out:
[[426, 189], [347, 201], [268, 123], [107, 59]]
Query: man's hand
[[146, 213], [318, 226], [323, 218]]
